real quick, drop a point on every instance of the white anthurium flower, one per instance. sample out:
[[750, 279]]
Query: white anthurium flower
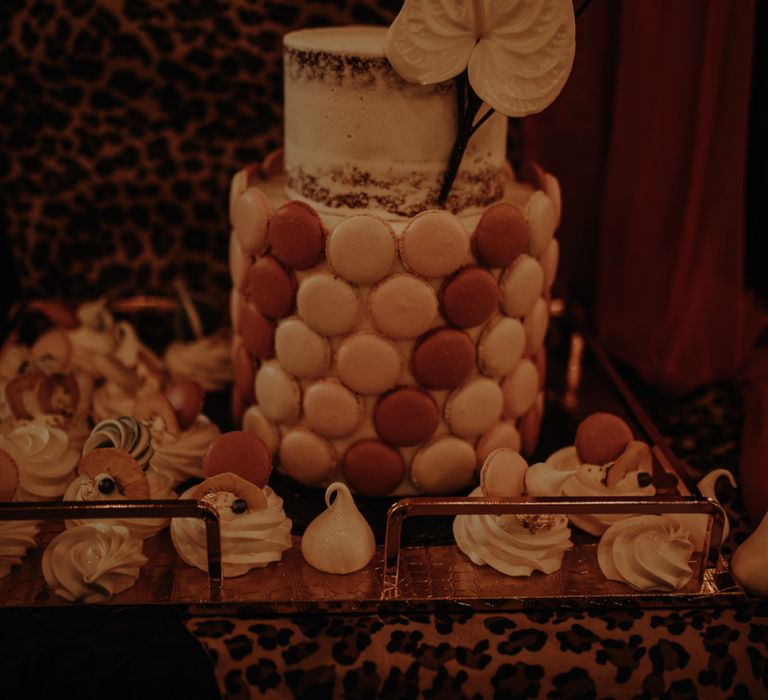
[[518, 53]]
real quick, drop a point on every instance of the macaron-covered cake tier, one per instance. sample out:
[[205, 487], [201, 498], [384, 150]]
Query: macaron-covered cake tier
[[390, 348]]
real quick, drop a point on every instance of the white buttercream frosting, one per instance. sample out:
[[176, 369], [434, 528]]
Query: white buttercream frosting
[[206, 361], [84, 488], [249, 540], [92, 563], [514, 545], [647, 552], [16, 538], [181, 456], [45, 458]]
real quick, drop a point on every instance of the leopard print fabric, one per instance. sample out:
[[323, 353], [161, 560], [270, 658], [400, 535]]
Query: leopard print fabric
[[632, 653], [626, 654], [122, 125]]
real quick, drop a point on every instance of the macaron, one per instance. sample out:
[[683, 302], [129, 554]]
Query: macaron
[[236, 301], [403, 306], [503, 434], [443, 358], [551, 186], [522, 285], [327, 304], [239, 263], [469, 297], [117, 465], [256, 331], [301, 352], [601, 438], [520, 388], [501, 346], [296, 235], [406, 416], [9, 476], [271, 287], [237, 406], [474, 407], [244, 369], [331, 409], [237, 186], [372, 468], [549, 261], [186, 397], [542, 222], [434, 244], [362, 249], [307, 457], [278, 394], [368, 364], [254, 421], [503, 474], [536, 324], [530, 425], [250, 214], [501, 235], [443, 466], [241, 453]]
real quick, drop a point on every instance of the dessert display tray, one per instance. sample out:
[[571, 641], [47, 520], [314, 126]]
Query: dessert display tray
[[417, 566]]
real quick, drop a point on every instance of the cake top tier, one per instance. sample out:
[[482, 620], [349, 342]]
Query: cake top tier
[[360, 138], [358, 40]]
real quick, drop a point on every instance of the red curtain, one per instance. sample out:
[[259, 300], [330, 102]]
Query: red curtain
[[653, 172], [670, 296]]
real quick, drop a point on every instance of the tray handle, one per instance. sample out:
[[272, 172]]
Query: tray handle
[[446, 506], [185, 508]]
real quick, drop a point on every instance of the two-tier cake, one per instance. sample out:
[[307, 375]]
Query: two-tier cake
[[381, 337]]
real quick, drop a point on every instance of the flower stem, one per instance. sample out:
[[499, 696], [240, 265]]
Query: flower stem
[[468, 105]]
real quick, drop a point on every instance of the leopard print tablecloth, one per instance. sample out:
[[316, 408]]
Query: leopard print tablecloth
[[705, 653]]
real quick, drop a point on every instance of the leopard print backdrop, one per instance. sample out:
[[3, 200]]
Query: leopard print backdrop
[[122, 124]]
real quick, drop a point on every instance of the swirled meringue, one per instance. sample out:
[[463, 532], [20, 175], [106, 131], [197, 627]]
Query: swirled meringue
[[206, 361], [248, 540], [45, 458], [92, 563], [180, 456], [648, 552], [85, 488], [16, 538], [514, 545]]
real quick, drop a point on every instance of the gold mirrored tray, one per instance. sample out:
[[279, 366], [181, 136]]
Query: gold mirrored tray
[[417, 566]]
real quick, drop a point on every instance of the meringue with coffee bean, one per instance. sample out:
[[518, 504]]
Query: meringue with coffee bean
[[605, 461], [115, 467], [515, 545], [16, 536], [254, 529], [181, 434]]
